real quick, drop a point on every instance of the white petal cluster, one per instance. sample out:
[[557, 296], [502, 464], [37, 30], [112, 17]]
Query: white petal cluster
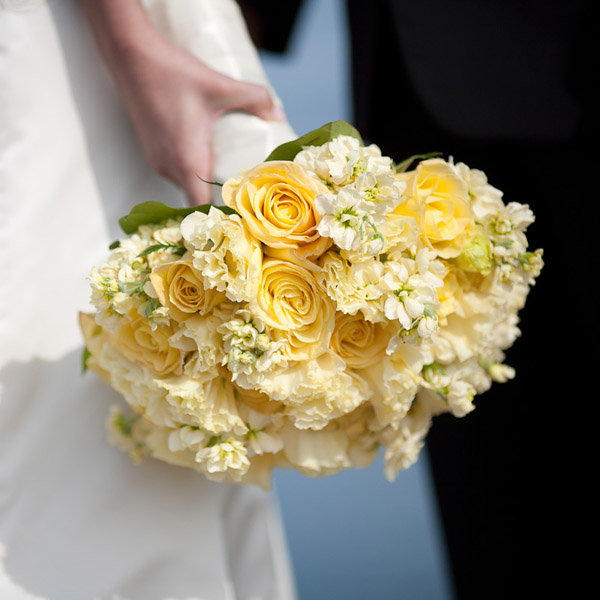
[[411, 292], [339, 162], [352, 304], [354, 286], [247, 347], [121, 285], [363, 191], [224, 252]]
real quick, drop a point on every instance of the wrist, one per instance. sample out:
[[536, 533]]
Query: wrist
[[122, 30]]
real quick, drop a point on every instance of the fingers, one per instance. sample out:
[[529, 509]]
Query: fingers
[[251, 98], [196, 183]]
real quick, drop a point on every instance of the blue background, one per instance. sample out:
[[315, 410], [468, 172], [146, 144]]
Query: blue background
[[352, 535]]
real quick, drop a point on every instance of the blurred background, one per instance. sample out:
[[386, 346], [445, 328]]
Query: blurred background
[[504, 87]]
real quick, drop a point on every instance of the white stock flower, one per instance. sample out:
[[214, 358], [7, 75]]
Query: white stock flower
[[460, 397], [341, 160], [404, 443], [316, 453], [411, 287], [246, 345], [260, 439], [501, 373], [354, 286], [224, 252], [187, 438], [209, 404], [381, 193], [224, 458], [315, 391], [346, 220], [486, 200]]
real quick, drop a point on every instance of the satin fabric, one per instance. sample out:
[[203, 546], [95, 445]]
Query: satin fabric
[[79, 521]]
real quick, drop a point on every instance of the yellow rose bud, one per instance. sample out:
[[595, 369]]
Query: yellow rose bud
[[358, 342], [180, 288], [295, 307], [438, 200], [276, 201], [139, 343]]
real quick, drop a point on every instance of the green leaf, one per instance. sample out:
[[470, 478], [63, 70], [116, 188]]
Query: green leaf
[[115, 245], [154, 213], [125, 423], [213, 441], [151, 305], [406, 163], [85, 354], [317, 137], [177, 249]]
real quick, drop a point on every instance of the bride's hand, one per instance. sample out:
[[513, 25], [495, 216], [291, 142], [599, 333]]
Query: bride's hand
[[172, 98]]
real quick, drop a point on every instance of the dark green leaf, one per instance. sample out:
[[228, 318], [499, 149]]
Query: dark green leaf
[[317, 137], [405, 164], [211, 182], [213, 441], [114, 245], [154, 213]]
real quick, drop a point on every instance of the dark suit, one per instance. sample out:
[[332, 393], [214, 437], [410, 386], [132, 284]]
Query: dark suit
[[506, 87]]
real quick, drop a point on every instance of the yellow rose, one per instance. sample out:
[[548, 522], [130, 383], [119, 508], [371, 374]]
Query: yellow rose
[[276, 201], [180, 288], [94, 337], [295, 308], [149, 348], [450, 293], [358, 342], [438, 200]]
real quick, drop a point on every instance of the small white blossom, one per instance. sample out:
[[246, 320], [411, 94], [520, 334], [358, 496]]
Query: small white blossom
[[339, 162], [411, 292], [259, 439], [501, 373], [460, 398], [186, 438], [381, 193], [247, 347], [221, 457]]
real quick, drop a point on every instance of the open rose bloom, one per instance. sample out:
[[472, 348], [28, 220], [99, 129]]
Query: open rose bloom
[[326, 313]]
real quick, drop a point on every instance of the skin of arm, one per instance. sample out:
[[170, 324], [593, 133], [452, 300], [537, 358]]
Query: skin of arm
[[172, 98]]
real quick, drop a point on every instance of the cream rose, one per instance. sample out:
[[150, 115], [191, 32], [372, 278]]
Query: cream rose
[[276, 201], [180, 288], [295, 307], [358, 342], [139, 343], [438, 200]]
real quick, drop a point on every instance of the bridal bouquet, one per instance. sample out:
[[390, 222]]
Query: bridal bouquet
[[328, 311]]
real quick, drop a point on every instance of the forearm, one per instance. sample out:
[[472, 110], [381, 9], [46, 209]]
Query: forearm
[[122, 31]]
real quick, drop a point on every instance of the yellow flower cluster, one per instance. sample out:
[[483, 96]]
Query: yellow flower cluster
[[334, 311]]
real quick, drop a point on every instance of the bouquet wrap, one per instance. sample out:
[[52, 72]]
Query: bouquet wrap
[[327, 312]]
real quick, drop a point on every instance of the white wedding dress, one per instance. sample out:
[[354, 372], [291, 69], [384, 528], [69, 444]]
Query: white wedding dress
[[79, 521]]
